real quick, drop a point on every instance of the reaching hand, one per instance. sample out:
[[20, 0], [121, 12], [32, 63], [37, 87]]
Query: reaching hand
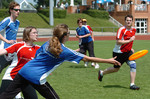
[[115, 62]]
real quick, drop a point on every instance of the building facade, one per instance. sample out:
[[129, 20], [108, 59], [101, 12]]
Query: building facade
[[140, 9]]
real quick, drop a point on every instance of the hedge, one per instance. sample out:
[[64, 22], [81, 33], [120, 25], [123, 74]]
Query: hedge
[[58, 13], [4, 13], [97, 13]]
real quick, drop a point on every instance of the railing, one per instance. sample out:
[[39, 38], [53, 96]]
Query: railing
[[140, 7], [124, 7], [115, 21], [109, 8]]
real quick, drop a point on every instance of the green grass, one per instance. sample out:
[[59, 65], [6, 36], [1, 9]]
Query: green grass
[[74, 81], [41, 21]]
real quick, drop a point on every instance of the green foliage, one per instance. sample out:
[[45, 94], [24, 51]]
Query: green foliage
[[76, 2], [32, 19], [4, 13], [97, 14], [5, 3], [41, 21], [58, 13]]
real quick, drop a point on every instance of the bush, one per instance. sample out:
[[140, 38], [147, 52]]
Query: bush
[[97, 13], [58, 13], [4, 13]]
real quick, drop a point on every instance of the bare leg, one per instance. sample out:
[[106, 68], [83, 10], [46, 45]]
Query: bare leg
[[132, 76], [110, 70]]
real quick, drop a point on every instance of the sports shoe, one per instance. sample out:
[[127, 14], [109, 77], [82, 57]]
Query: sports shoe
[[92, 64], [96, 66], [134, 87], [86, 64], [100, 76]]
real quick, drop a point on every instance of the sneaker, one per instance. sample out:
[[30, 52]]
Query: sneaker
[[134, 87], [86, 64], [100, 76], [96, 66], [92, 64]]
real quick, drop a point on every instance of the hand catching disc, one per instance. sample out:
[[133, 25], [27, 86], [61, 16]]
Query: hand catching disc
[[138, 54]]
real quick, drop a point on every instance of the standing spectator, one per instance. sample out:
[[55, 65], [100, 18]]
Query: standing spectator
[[85, 40], [24, 52], [58, 5], [123, 50], [66, 5], [47, 59], [8, 32], [78, 9], [62, 6], [84, 22]]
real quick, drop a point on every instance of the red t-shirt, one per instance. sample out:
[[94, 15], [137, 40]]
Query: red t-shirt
[[23, 54], [124, 34]]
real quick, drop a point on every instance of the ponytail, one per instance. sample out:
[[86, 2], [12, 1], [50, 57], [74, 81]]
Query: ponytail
[[55, 46], [55, 42]]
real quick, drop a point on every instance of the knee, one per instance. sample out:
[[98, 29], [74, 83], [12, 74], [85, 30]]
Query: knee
[[132, 65]]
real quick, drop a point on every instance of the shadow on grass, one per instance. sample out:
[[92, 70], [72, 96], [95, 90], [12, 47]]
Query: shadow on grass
[[43, 18], [115, 86], [77, 66]]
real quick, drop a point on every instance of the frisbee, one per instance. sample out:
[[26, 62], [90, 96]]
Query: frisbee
[[138, 54]]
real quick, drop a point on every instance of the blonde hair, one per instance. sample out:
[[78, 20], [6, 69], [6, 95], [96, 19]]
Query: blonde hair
[[26, 33], [55, 42]]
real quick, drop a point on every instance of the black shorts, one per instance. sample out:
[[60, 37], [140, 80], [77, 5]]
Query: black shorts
[[87, 47], [122, 57], [3, 63]]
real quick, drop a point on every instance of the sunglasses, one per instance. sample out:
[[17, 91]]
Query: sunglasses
[[16, 10]]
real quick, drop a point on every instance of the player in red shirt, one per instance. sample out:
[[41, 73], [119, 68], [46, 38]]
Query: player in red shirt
[[23, 52], [123, 49]]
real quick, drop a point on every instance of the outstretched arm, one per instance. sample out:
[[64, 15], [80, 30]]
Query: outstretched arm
[[100, 60]]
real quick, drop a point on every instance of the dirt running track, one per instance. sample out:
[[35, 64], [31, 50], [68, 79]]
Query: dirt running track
[[138, 37]]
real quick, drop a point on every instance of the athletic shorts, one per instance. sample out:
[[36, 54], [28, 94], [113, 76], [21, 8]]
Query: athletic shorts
[[87, 47], [4, 62], [122, 57]]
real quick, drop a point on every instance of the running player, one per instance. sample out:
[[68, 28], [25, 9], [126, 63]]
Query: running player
[[23, 52], [47, 59], [8, 33], [123, 49]]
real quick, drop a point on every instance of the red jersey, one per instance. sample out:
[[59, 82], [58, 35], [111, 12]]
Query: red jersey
[[89, 28], [23, 54], [124, 34]]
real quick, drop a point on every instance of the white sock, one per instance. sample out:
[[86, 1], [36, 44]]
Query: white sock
[[18, 95], [102, 73], [131, 84]]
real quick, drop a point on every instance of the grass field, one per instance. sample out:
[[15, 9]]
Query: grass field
[[74, 81], [41, 21]]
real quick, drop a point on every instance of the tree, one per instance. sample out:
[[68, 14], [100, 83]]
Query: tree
[[5, 3]]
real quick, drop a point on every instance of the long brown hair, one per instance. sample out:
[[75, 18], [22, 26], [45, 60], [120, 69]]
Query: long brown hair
[[55, 42], [26, 33]]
